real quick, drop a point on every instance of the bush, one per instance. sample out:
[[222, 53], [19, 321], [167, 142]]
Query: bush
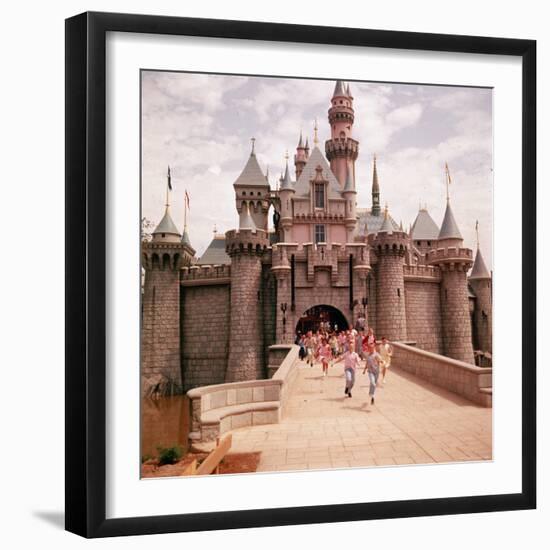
[[145, 458], [169, 455]]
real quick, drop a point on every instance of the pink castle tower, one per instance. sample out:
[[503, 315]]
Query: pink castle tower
[[301, 156], [341, 150]]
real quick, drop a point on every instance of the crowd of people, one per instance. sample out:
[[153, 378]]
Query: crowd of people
[[354, 347]]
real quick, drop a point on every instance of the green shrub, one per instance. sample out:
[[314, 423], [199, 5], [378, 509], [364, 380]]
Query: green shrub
[[169, 455]]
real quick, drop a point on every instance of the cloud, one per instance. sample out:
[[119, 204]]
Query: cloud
[[202, 124]]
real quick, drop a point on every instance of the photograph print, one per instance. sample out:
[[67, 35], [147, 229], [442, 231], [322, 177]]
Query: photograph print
[[316, 274]]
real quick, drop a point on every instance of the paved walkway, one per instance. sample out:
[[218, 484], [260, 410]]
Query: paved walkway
[[411, 422]]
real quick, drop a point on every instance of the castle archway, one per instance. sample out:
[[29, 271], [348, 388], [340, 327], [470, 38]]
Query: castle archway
[[321, 315]]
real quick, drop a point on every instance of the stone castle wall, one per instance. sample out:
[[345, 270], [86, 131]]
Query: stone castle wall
[[483, 317], [246, 348], [160, 331], [320, 291], [269, 301], [423, 309], [205, 334], [390, 298], [455, 316]]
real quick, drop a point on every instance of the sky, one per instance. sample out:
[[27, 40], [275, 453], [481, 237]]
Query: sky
[[201, 125]]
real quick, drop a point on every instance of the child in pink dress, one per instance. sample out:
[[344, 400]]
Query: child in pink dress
[[325, 353]]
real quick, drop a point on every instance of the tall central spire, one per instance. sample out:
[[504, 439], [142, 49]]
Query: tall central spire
[[375, 210], [341, 150]]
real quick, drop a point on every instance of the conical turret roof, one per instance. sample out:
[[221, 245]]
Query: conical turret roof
[[339, 89], [301, 142], [252, 173], [167, 225], [424, 228], [386, 224], [349, 185], [246, 221], [449, 227], [479, 271], [287, 182], [185, 238]]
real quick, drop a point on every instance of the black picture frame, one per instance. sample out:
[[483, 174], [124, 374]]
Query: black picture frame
[[86, 276]]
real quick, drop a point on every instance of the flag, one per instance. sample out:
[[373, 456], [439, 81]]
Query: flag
[[187, 199], [169, 179]]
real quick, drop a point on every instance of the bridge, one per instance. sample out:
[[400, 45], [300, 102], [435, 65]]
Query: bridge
[[413, 421]]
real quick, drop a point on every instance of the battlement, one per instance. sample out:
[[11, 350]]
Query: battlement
[[421, 273], [246, 241], [342, 147], [162, 246], [165, 255], [451, 255], [383, 242], [205, 274], [341, 112]]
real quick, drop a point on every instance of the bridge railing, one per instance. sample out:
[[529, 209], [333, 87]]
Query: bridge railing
[[219, 408], [472, 382]]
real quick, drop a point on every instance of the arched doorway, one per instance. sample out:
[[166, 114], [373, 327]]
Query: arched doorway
[[325, 315]]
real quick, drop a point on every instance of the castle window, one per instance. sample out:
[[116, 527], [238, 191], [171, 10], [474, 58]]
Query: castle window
[[319, 195], [399, 292], [429, 243], [320, 236], [244, 193]]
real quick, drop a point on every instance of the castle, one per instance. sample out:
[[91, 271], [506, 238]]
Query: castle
[[211, 320]]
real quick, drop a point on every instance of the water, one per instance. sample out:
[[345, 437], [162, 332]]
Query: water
[[164, 422]]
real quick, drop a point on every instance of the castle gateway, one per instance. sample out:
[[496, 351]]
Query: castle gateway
[[211, 320]]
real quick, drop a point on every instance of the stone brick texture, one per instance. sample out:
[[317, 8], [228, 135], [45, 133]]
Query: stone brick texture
[[483, 316], [160, 330], [201, 332], [423, 309], [456, 376], [456, 323], [391, 320], [205, 334], [246, 346]]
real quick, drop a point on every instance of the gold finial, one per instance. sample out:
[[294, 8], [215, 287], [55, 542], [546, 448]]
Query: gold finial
[[253, 141], [477, 233], [315, 136], [215, 230], [286, 156], [386, 211]]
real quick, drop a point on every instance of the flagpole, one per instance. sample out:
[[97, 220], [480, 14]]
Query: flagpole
[[185, 210], [168, 189], [447, 179]]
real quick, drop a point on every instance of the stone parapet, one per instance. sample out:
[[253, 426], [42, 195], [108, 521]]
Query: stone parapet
[[205, 274], [220, 408], [394, 243], [246, 241], [473, 383], [457, 257], [428, 273], [342, 147]]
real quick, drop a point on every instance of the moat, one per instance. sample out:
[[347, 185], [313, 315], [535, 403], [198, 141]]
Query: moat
[[164, 422]]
